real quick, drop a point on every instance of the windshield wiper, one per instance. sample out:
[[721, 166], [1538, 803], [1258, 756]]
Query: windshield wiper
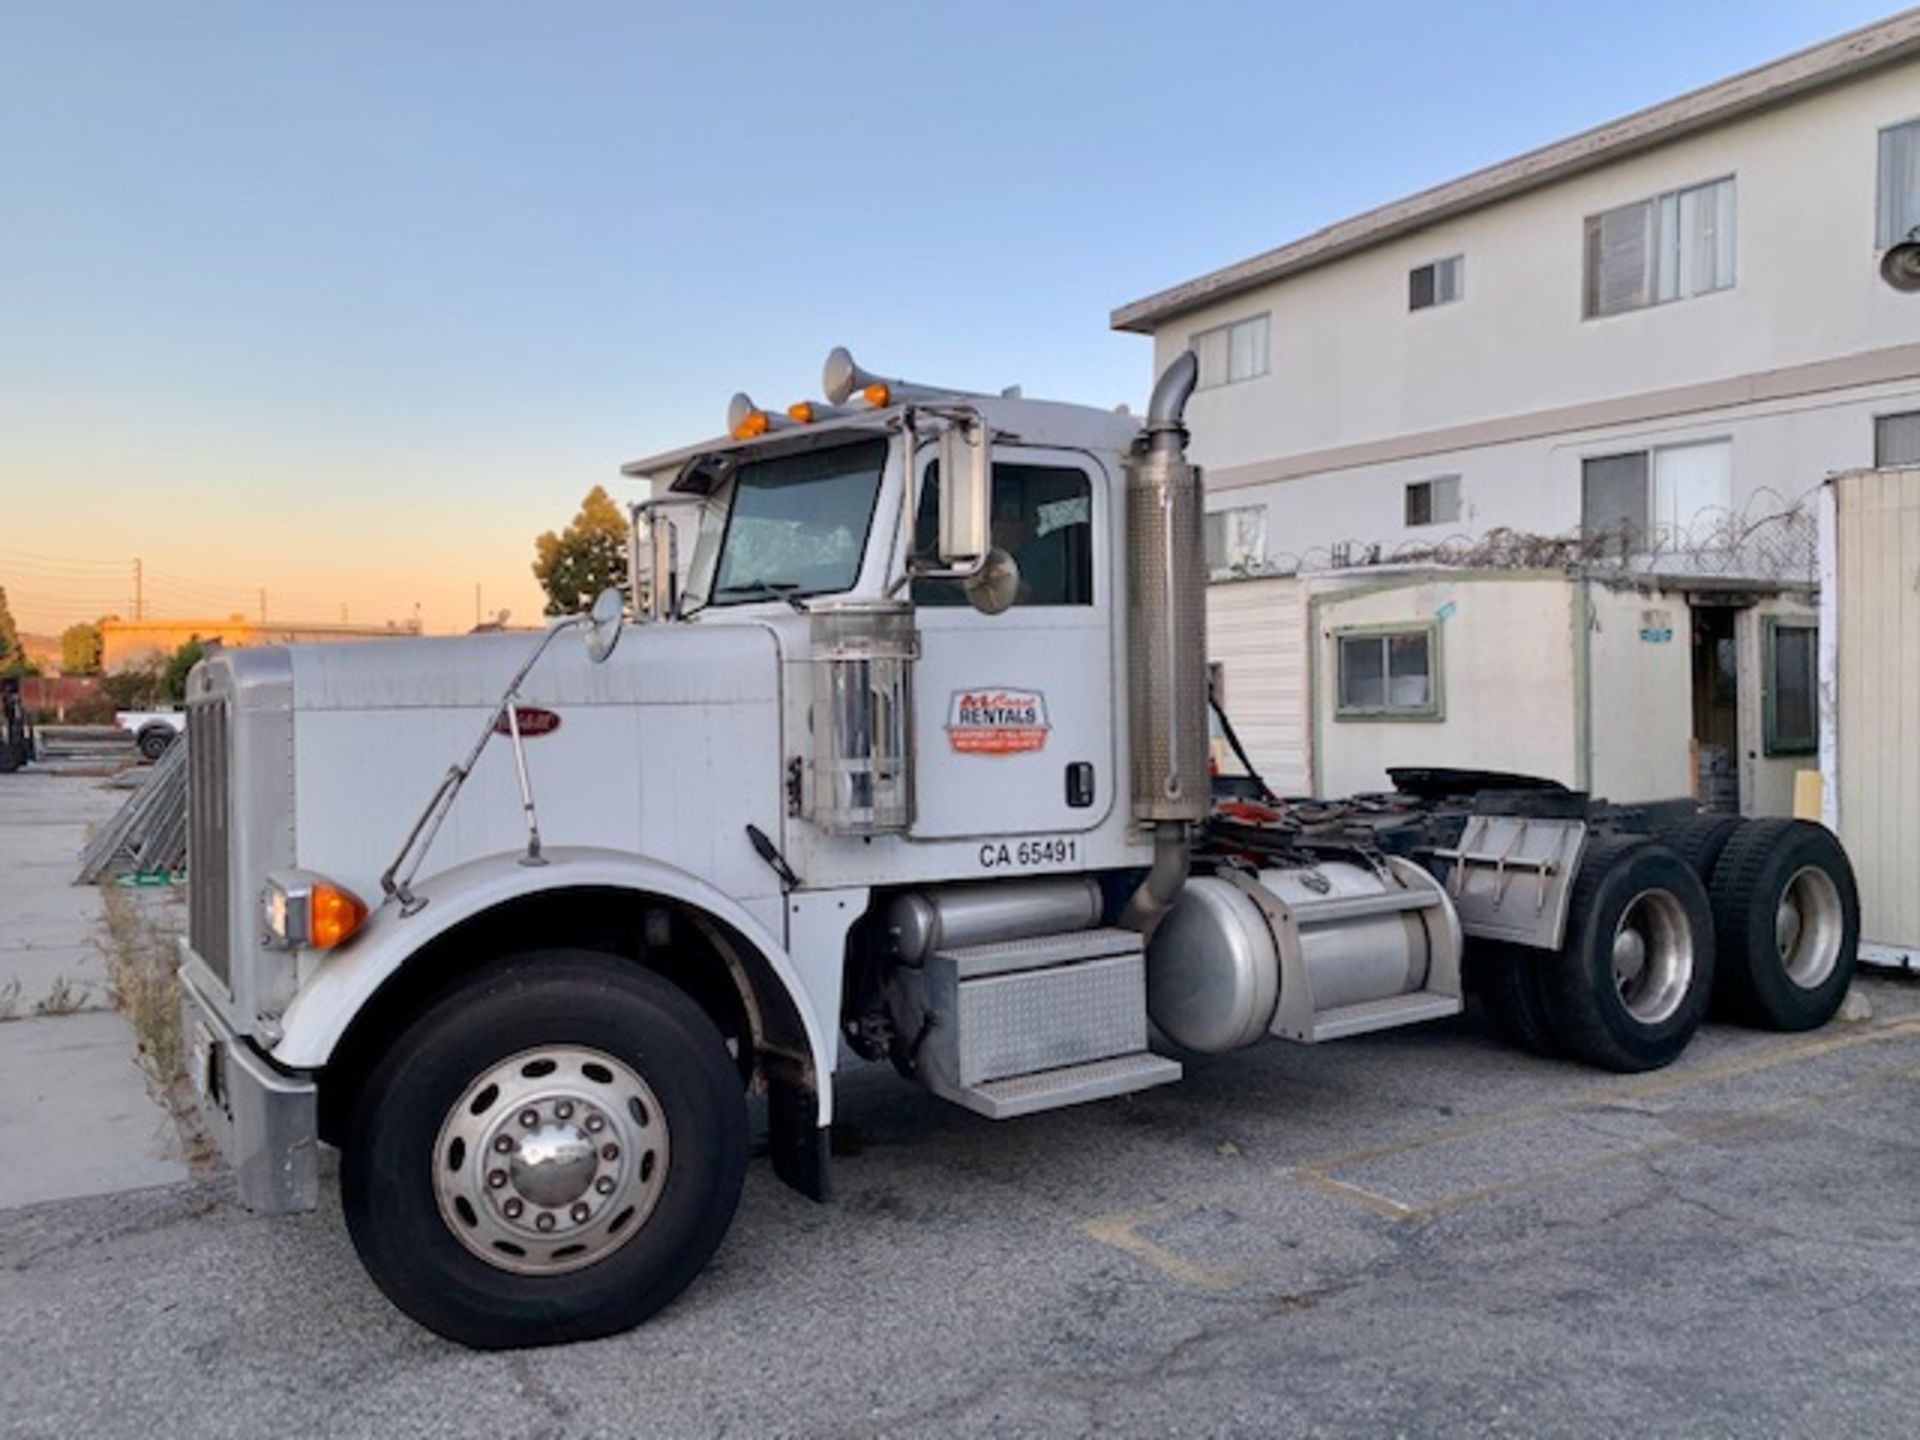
[[765, 590]]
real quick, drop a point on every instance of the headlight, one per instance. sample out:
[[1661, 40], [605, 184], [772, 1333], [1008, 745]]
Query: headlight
[[308, 912]]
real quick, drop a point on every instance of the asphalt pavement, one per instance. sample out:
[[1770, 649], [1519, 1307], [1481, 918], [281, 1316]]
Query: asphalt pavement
[[1417, 1233]]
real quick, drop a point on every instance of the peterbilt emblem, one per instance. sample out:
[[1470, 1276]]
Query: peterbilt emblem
[[994, 720], [532, 721]]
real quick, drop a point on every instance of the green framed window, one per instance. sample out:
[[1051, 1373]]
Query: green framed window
[[1387, 672], [1790, 699]]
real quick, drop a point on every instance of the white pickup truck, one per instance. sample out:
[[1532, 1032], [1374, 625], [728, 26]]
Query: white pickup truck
[[153, 730]]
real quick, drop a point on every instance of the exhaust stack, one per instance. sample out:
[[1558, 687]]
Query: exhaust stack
[[1166, 640], [1167, 610]]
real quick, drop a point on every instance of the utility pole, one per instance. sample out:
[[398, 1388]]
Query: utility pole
[[343, 612], [263, 604], [476, 604], [139, 593]]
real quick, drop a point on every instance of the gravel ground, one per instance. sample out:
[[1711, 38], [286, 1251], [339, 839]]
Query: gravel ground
[[1418, 1233]]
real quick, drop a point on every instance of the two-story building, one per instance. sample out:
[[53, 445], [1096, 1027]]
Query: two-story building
[[1515, 472]]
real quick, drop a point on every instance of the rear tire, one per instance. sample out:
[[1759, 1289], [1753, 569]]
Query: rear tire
[[1507, 979], [1699, 841], [1629, 988], [154, 740], [561, 1087], [1788, 916]]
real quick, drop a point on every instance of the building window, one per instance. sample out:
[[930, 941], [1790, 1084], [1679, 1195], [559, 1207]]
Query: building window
[[1435, 501], [1387, 674], [1673, 495], [1236, 540], [1668, 248], [1440, 283], [1899, 182], [1896, 439], [1229, 354], [1791, 700]]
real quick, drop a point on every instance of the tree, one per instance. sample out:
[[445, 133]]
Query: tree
[[13, 655], [80, 649], [585, 558], [133, 687], [173, 679]]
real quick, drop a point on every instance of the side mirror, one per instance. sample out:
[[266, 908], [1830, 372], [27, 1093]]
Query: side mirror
[[995, 585], [603, 624], [966, 493]]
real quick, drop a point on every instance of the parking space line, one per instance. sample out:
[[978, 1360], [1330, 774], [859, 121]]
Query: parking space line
[[1667, 1082], [1346, 1190], [1606, 1159], [1122, 1233]]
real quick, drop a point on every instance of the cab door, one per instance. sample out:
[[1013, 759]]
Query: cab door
[[1014, 730]]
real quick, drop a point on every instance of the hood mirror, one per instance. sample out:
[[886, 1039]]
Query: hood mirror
[[604, 624]]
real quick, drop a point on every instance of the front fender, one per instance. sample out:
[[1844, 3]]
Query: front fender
[[345, 980]]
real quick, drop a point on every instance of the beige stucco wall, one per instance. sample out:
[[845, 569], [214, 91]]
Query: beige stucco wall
[[1352, 367], [1506, 662]]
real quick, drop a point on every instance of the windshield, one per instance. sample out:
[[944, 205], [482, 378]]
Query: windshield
[[791, 527]]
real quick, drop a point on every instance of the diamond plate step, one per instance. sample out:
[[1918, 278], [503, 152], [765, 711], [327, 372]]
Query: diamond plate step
[[1386, 1014], [1070, 1085], [1004, 957]]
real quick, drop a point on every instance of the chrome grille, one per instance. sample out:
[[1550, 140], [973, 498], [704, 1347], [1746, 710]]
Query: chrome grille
[[209, 826]]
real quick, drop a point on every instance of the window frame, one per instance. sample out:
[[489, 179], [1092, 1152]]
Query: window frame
[[1434, 710], [1654, 528], [1228, 566], [1226, 328], [1880, 462], [1772, 742], [1458, 262], [1406, 502], [1886, 224], [1655, 241]]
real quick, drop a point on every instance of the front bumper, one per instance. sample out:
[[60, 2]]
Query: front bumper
[[266, 1120]]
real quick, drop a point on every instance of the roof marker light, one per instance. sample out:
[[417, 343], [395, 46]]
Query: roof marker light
[[747, 421]]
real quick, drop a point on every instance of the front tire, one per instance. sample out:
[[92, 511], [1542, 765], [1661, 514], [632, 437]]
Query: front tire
[[1630, 986], [551, 1153], [154, 740]]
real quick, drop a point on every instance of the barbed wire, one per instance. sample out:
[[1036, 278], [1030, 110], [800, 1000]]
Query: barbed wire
[[1772, 539]]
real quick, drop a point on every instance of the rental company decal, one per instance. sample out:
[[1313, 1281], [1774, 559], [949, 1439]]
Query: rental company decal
[[996, 721]]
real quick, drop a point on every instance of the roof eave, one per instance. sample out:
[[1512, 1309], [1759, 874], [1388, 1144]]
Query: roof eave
[[1816, 67]]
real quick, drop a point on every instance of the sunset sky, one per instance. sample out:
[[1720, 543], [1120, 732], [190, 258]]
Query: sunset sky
[[347, 302]]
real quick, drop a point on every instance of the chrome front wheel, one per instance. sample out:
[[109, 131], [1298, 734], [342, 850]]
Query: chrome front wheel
[[551, 1160]]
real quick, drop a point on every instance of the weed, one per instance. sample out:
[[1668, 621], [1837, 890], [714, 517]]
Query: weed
[[144, 984], [63, 997], [10, 999]]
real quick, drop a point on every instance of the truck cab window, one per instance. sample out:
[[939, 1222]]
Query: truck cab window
[[1042, 517], [791, 526]]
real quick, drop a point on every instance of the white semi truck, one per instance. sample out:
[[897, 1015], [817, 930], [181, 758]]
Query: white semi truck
[[908, 760]]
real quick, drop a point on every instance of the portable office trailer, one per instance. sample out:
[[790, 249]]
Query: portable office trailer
[[1628, 688]]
